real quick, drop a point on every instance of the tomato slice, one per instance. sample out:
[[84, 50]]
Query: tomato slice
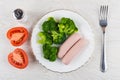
[[18, 58], [17, 35]]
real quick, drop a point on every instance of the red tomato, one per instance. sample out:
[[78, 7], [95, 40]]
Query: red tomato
[[17, 35], [18, 58]]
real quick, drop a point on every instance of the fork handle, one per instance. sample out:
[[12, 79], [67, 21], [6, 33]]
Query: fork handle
[[103, 56]]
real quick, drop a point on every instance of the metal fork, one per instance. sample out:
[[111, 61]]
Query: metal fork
[[103, 23]]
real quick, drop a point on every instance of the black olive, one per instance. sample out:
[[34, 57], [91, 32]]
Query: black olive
[[18, 13]]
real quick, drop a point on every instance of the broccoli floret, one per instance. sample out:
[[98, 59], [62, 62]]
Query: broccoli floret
[[53, 55], [67, 26], [45, 26], [50, 25], [50, 53], [64, 20], [58, 38], [61, 28], [44, 38], [46, 51]]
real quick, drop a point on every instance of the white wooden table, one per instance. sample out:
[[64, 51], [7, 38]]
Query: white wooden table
[[35, 10]]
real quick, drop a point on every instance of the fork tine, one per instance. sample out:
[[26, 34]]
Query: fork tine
[[100, 15], [106, 12], [103, 12]]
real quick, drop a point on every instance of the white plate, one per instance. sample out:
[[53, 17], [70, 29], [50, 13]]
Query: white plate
[[84, 29]]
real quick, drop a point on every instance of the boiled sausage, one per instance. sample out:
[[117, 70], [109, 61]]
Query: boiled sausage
[[77, 48], [68, 44]]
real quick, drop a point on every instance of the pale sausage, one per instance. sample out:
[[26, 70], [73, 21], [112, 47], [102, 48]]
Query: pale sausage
[[68, 44], [77, 48]]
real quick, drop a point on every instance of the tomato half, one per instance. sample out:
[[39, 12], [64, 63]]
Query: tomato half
[[20, 34], [18, 58]]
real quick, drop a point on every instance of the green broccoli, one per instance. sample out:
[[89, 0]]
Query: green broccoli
[[67, 26], [61, 28], [46, 52], [44, 38], [50, 25], [54, 51], [50, 52], [58, 38]]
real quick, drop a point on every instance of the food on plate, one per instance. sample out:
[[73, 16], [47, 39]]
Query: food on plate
[[50, 52], [68, 44], [17, 35], [44, 38], [79, 46], [67, 26], [58, 38], [18, 58], [55, 33], [50, 25]]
